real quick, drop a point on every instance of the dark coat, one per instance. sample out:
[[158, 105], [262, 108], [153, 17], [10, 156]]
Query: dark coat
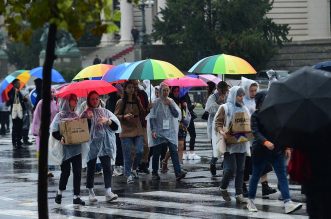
[[11, 96]]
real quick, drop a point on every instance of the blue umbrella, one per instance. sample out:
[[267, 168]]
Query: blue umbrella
[[326, 66], [115, 73], [56, 76]]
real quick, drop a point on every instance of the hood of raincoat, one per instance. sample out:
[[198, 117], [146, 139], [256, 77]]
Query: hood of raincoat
[[231, 99], [64, 108], [246, 84], [162, 86]]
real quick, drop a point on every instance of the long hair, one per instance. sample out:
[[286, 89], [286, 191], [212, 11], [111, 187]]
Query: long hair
[[126, 97]]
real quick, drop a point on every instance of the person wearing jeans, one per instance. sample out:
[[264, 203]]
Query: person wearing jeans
[[163, 131], [265, 152], [130, 112], [234, 158]]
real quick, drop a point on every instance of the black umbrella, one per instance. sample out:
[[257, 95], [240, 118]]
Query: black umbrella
[[297, 110]]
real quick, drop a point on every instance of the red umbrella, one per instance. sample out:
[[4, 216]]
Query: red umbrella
[[185, 82], [82, 88]]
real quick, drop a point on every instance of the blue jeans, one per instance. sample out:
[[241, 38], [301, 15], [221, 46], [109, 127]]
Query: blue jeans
[[278, 163], [173, 153], [127, 143]]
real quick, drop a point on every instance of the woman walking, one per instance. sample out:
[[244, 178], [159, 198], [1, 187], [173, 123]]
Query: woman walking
[[164, 117], [130, 111], [103, 125], [235, 153], [72, 154]]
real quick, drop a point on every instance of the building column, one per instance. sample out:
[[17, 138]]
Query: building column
[[106, 38], [126, 22], [319, 19]]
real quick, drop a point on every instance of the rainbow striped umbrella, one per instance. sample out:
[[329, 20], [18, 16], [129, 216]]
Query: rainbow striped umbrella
[[150, 69], [222, 64], [5, 86], [93, 71], [113, 74]]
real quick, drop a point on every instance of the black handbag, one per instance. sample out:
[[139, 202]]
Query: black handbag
[[205, 115]]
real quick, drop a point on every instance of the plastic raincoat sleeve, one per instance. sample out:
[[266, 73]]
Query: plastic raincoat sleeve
[[216, 136], [211, 105], [55, 148], [157, 115], [35, 128]]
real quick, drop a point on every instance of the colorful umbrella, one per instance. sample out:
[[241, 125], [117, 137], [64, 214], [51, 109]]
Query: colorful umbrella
[[150, 69], [185, 82], [207, 77], [82, 88], [5, 86], [93, 71], [222, 64], [56, 76], [112, 74]]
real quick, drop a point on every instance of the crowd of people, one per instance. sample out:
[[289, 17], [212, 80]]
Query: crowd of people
[[127, 130]]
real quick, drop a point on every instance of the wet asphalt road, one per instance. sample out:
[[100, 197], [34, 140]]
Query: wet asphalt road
[[196, 196]]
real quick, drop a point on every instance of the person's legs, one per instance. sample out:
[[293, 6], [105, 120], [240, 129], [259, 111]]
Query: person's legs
[[278, 164], [77, 172], [192, 133], [65, 173], [240, 166], [213, 163], [2, 123], [126, 148], [174, 158], [258, 165], [180, 150], [107, 170], [139, 145], [119, 153], [228, 171], [90, 173], [14, 132], [143, 167], [155, 159], [19, 125]]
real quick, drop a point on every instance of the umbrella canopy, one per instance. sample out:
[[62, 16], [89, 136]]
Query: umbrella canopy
[[326, 66], [112, 74], [82, 88], [56, 76], [296, 111], [5, 86], [222, 64], [93, 71], [185, 82], [207, 77], [150, 69]]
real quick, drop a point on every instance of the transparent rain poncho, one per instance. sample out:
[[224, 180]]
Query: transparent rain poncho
[[212, 106], [161, 113], [248, 101], [56, 148], [103, 139], [230, 109]]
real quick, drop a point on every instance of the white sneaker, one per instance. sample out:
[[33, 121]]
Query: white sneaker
[[92, 198], [135, 174], [240, 199], [251, 206], [117, 171], [291, 207], [194, 156], [130, 180], [186, 156], [111, 196]]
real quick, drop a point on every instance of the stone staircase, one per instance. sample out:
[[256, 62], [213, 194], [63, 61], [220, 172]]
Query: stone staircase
[[301, 53]]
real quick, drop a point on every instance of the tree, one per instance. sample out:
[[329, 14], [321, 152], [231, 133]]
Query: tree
[[25, 56], [21, 17], [208, 27]]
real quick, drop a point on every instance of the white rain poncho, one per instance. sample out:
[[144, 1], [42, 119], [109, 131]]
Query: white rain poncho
[[148, 89], [212, 106], [161, 114], [248, 101], [55, 147], [103, 139], [230, 109]]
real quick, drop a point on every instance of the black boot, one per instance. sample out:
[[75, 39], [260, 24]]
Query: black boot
[[213, 169], [78, 201], [143, 168], [267, 190], [58, 198]]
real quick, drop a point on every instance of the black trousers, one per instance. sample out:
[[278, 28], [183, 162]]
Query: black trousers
[[17, 132], [119, 152], [4, 121], [107, 172], [76, 163], [193, 135]]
